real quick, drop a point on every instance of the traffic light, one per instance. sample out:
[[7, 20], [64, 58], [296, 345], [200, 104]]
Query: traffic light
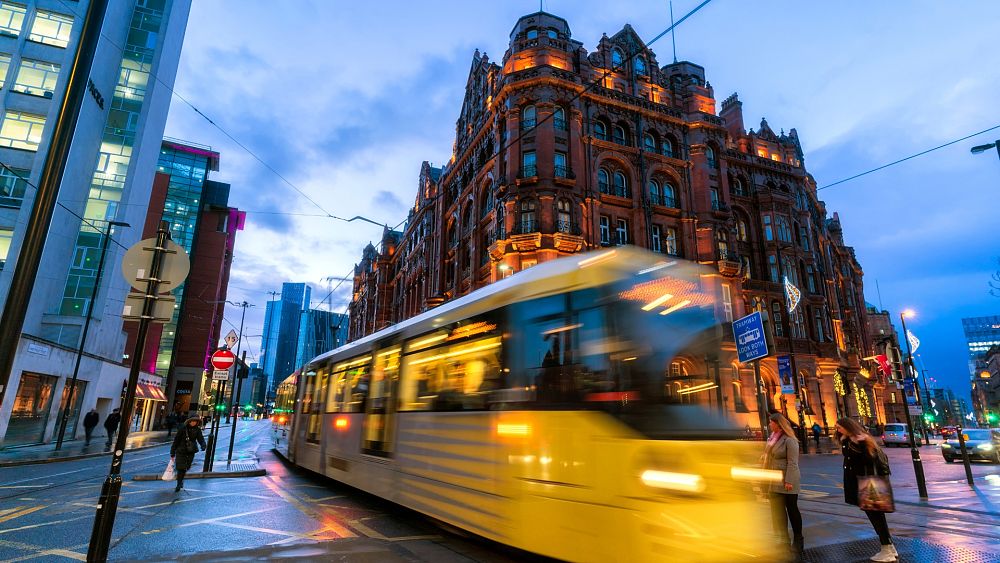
[[928, 418], [220, 407], [991, 417]]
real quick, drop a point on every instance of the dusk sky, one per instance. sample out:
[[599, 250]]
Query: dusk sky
[[346, 99]]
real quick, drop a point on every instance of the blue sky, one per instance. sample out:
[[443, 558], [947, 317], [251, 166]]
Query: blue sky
[[345, 101]]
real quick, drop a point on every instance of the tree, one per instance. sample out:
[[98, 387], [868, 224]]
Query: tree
[[995, 281]]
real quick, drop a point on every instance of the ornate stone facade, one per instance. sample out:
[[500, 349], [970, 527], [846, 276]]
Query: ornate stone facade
[[546, 165]]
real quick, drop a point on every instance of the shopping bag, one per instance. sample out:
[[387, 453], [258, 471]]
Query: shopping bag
[[168, 473], [875, 493]]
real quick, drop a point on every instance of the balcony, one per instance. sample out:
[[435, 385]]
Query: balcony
[[561, 172], [528, 171], [719, 206], [664, 201], [615, 191], [527, 124], [526, 227]]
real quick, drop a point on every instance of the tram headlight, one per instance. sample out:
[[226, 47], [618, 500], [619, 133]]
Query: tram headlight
[[674, 481]]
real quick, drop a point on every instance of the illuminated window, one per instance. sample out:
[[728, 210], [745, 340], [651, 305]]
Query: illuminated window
[[727, 310], [620, 137], [762, 153], [603, 181], [670, 241], [12, 187], [528, 117], [11, 18], [4, 65], [892, 397], [741, 230], [640, 65], [36, 77], [605, 230], [621, 231], [51, 28], [21, 130], [528, 222], [657, 239], [722, 242], [564, 223], [6, 235], [616, 58]]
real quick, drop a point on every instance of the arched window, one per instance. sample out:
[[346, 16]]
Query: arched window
[[741, 230], [669, 195], [559, 118], [722, 242], [528, 222], [640, 65], [603, 181], [737, 187], [617, 57], [467, 218], [601, 130], [649, 143], [621, 185], [564, 223], [532, 33], [620, 137], [655, 195], [666, 147], [528, 117], [710, 157]]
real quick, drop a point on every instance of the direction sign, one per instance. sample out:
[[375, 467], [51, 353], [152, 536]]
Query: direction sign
[[749, 335], [223, 360], [220, 374]]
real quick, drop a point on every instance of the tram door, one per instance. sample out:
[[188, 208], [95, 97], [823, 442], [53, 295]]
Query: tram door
[[380, 408]]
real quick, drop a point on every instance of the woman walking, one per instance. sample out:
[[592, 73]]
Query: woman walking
[[782, 454], [863, 457], [184, 447]]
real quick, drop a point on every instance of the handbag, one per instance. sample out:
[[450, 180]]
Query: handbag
[[189, 446], [875, 493], [168, 473]]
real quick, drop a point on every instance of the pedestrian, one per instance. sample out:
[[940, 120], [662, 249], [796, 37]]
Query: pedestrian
[[90, 421], [183, 448], [782, 454], [111, 425], [863, 457], [816, 430], [171, 423]]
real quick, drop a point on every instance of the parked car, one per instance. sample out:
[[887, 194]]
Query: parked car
[[980, 443], [895, 434]]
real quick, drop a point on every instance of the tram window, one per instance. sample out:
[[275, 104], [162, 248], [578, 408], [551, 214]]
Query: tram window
[[356, 389], [335, 400], [377, 430], [319, 396], [453, 377], [308, 395]]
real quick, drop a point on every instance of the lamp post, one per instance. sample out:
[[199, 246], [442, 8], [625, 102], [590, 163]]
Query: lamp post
[[983, 148], [86, 329], [918, 467]]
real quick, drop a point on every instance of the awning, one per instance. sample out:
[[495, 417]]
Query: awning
[[150, 392]]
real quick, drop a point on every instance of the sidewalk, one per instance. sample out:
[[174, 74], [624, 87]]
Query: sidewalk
[[75, 449]]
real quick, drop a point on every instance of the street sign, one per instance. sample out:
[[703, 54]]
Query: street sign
[[749, 335], [785, 375], [220, 375], [916, 410], [909, 391], [232, 339], [163, 307], [223, 360]]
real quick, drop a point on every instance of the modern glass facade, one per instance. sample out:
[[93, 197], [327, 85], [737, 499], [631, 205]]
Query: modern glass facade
[[981, 334], [113, 160], [281, 331]]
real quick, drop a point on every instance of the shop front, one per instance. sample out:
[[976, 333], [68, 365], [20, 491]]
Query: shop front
[[150, 402], [31, 409]]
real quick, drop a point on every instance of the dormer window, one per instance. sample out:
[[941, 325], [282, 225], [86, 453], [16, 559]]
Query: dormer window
[[532, 34], [640, 66], [616, 57], [553, 34]]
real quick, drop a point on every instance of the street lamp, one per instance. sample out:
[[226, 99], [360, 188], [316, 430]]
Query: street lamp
[[983, 148], [918, 468], [86, 329]]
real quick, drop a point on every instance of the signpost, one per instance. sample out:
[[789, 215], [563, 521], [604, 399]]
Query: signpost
[[751, 345], [222, 360]]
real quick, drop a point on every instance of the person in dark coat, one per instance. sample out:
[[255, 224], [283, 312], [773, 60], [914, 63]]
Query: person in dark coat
[[816, 432], [111, 425], [183, 448], [862, 456], [89, 423], [171, 423]]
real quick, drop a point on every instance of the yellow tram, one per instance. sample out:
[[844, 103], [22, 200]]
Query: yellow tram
[[540, 412]]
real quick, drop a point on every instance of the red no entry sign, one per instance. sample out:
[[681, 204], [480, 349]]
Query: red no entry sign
[[223, 359]]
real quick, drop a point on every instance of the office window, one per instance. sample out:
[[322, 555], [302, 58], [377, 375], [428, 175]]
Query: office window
[[670, 241], [6, 235], [4, 66], [621, 231], [36, 77], [12, 187], [657, 239], [11, 18], [559, 159], [605, 230], [51, 28], [21, 130]]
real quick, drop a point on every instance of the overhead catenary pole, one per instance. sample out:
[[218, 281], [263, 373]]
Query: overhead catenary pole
[[107, 507], [64, 419], [33, 245]]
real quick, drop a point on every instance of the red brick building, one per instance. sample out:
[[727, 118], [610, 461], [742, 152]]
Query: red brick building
[[544, 166]]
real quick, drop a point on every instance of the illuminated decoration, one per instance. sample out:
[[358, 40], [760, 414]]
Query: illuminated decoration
[[793, 295], [838, 384], [913, 340], [838, 332], [864, 409], [865, 373]]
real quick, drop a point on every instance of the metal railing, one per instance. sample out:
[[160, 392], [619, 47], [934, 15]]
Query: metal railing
[[529, 171], [568, 227], [561, 171], [560, 123], [526, 227]]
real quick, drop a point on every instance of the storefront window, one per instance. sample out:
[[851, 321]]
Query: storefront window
[[31, 409], [74, 413]]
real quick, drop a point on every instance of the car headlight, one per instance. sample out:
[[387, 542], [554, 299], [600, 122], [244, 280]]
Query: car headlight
[[985, 447], [945, 446]]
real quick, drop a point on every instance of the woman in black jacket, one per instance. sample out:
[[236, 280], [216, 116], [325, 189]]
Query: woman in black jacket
[[862, 456], [184, 447]]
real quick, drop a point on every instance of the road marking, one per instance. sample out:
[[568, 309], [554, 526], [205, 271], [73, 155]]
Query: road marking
[[24, 486], [10, 514], [321, 517]]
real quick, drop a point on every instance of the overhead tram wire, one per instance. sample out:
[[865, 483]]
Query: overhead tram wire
[[912, 156]]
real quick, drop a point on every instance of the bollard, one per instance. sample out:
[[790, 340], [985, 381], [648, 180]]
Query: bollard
[[965, 456]]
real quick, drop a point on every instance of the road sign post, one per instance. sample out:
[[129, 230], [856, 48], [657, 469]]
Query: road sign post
[[751, 346], [235, 401]]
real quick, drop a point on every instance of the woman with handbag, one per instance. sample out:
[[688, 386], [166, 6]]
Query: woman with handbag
[[184, 447], [866, 470], [782, 454]]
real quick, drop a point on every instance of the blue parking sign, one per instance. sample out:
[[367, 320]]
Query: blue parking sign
[[749, 334]]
